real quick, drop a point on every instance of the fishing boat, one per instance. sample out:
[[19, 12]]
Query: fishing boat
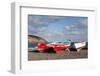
[[78, 46]]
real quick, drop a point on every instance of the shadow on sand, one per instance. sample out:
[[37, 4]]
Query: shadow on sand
[[48, 50]]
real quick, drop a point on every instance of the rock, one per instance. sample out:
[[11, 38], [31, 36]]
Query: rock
[[32, 39]]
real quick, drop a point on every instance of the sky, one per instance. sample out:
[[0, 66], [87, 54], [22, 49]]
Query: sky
[[58, 28]]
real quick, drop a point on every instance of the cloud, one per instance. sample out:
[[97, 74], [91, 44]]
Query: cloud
[[38, 25], [32, 30], [38, 20], [84, 22], [70, 27], [55, 18], [77, 31], [77, 28]]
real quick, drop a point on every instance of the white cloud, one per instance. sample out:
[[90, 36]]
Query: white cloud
[[36, 20], [38, 26], [81, 25], [75, 32], [70, 27], [84, 22]]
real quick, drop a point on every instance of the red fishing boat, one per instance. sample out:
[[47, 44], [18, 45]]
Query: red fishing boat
[[57, 47]]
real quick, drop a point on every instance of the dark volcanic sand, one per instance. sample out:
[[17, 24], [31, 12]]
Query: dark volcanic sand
[[35, 55]]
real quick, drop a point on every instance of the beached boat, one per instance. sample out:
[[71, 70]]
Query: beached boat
[[78, 45], [57, 47]]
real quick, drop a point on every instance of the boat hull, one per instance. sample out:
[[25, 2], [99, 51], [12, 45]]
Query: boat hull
[[78, 45]]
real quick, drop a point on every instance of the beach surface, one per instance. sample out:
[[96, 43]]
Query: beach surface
[[35, 55]]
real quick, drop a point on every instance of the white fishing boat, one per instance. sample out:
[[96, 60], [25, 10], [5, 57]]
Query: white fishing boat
[[78, 45]]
